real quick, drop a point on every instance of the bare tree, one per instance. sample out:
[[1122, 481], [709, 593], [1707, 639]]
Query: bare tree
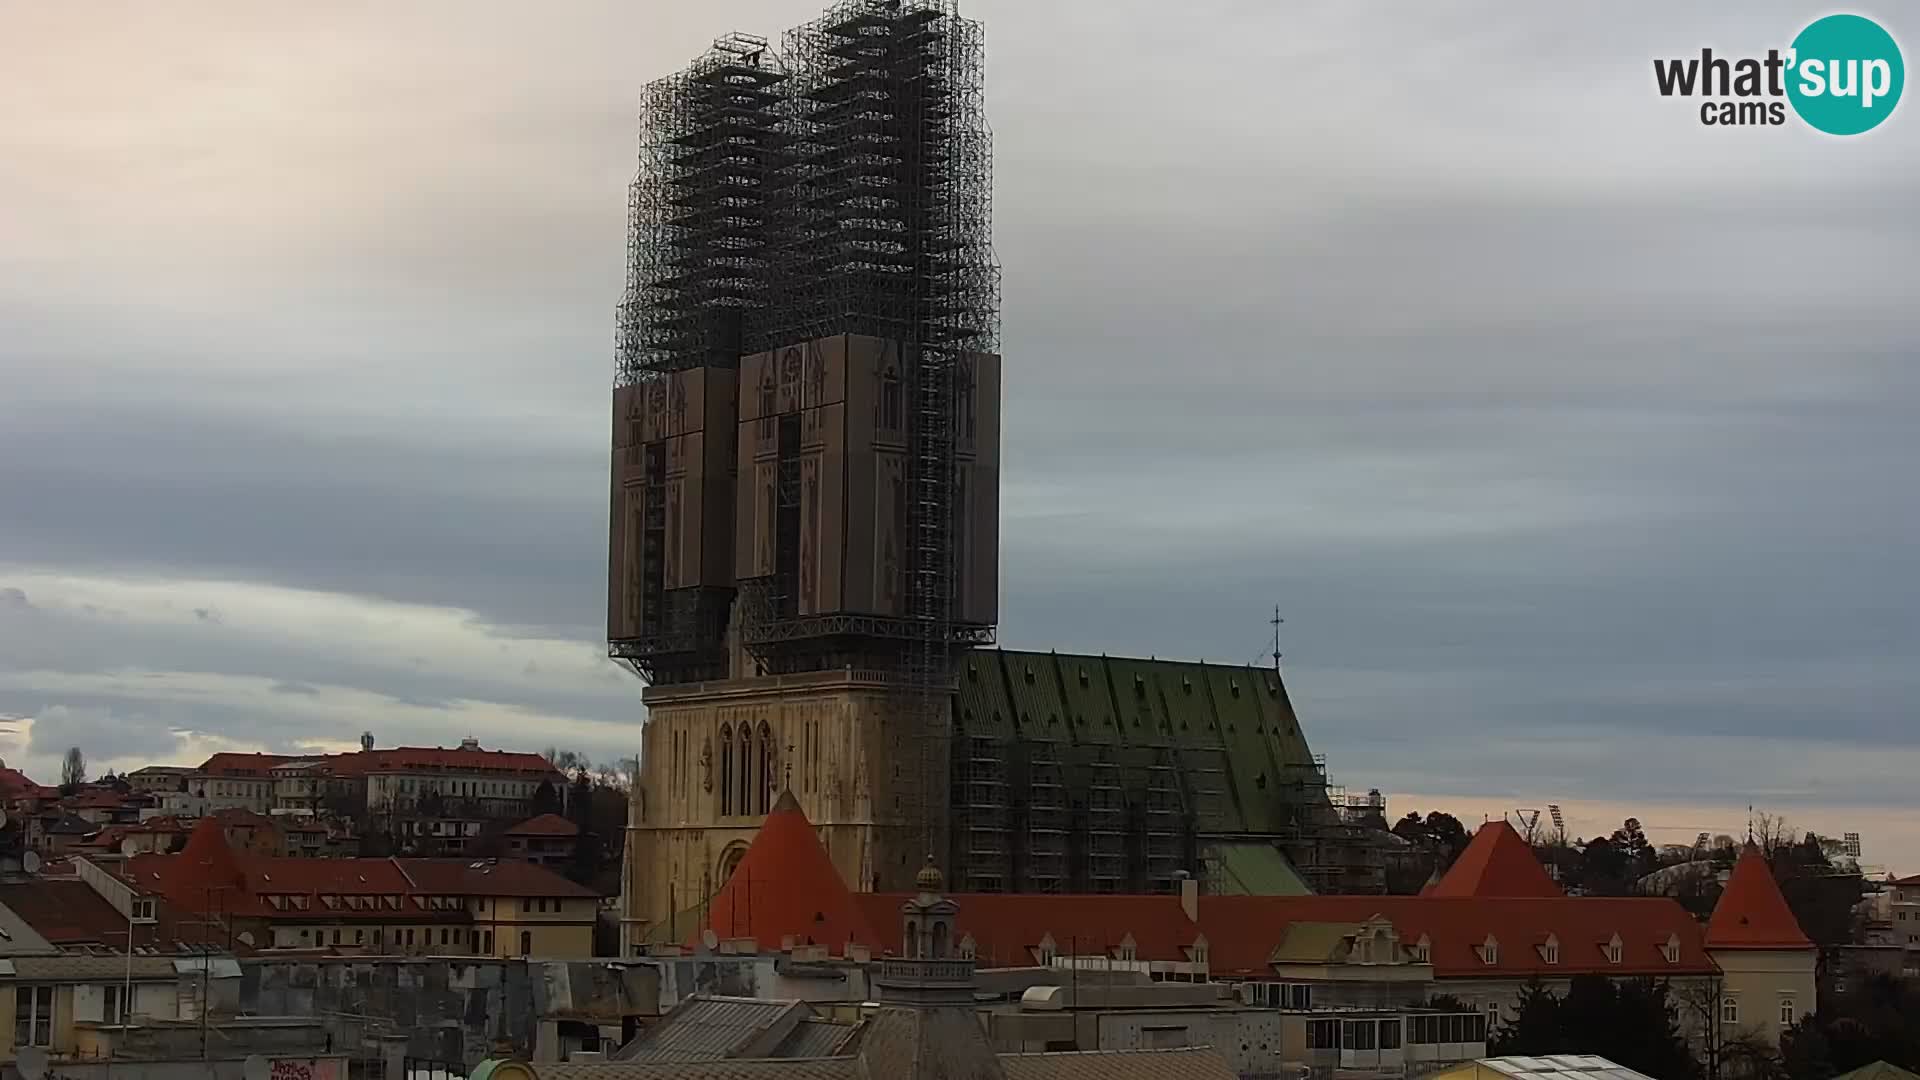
[[1772, 832], [73, 770]]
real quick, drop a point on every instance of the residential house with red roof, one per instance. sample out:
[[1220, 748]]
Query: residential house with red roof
[[547, 840], [1768, 963], [390, 906], [1491, 925]]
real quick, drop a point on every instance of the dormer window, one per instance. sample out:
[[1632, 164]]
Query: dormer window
[[1616, 950], [1423, 950], [1046, 951], [967, 946], [1550, 951], [1490, 951], [1671, 949], [1199, 951], [1126, 950]]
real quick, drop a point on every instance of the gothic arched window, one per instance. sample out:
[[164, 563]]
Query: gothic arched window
[[766, 768], [726, 769], [742, 750]]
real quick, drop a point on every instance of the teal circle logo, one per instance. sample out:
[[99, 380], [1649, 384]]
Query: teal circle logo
[[1846, 74]]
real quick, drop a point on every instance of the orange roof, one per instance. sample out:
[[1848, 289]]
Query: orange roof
[[405, 758], [1497, 863], [1242, 931], [230, 764], [786, 886], [545, 825], [208, 874], [1007, 928], [1751, 913]]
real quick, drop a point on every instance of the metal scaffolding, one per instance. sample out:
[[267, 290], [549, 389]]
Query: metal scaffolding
[[701, 223], [885, 225]]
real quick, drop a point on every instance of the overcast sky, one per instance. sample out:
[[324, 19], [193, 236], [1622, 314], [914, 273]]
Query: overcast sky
[[1574, 439]]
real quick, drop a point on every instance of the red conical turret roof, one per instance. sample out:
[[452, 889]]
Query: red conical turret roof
[[786, 886], [1751, 913], [1497, 863]]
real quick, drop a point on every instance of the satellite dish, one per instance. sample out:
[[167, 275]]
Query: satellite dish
[[3, 813], [246, 938], [256, 1068], [30, 862], [32, 1063], [709, 940]]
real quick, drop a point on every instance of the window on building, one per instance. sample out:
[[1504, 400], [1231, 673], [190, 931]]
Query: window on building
[[1671, 949], [488, 946], [1787, 1013], [1493, 1014], [726, 770], [1323, 1034], [1550, 952], [1423, 950], [409, 937], [1358, 1035], [526, 943], [33, 1016], [1729, 1010], [446, 936], [526, 905], [359, 937], [110, 1005], [143, 909], [1489, 951], [1390, 1034], [336, 937]]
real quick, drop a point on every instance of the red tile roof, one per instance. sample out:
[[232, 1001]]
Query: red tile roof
[[1751, 912], [786, 886], [207, 874], [545, 825], [395, 759], [1497, 862], [435, 759], [15, 784], [68, 912], [1242, 931], [240, 816], [229, 764], [1007, 928]]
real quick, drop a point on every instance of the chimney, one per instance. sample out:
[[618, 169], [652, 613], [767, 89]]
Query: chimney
[[1189, 894]]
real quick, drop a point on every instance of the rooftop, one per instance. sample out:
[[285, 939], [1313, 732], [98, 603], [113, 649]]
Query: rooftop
[[1497, 862], [1751, 912], [545, 825], [243, 882], [1557, 1067]]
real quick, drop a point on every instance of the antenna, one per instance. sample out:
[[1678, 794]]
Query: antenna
[[1275, 623]]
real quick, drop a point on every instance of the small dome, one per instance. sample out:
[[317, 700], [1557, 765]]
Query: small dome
[[930, 880]]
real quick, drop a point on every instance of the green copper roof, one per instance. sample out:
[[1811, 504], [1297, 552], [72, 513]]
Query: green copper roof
[[1256, 868]]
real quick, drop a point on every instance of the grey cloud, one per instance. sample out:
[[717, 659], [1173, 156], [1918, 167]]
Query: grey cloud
[[295, 688], [100, 732]]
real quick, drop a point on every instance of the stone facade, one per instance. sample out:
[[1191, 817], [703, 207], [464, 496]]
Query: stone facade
[[838, 739]]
